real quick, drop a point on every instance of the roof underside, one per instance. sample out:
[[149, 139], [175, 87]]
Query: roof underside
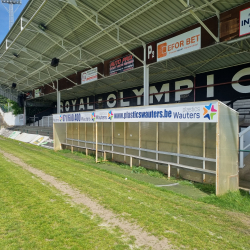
[[86, 34]]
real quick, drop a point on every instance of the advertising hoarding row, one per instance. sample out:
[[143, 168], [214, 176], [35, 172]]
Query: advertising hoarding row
[[187, 112]]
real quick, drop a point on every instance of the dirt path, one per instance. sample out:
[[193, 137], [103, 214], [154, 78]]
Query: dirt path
[[142, 238]]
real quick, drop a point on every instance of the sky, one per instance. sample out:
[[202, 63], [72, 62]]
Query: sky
[[4, 17]]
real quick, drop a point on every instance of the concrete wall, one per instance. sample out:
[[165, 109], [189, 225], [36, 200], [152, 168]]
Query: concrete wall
[[12, 120]]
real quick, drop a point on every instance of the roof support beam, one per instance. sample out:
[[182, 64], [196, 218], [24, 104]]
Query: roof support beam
[[215, 9], [106, 32], [200, 21]]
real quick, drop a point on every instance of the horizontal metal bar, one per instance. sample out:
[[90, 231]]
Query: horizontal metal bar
[[149, 150], [244, 150], [173, 164]]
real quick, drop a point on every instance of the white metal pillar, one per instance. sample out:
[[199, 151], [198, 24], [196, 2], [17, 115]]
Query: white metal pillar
[[145, 78], [58, 98], [24, 113]]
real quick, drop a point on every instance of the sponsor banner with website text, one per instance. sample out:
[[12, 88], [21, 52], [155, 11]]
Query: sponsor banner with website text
[[75, 117], [190, 112], [179, 45]]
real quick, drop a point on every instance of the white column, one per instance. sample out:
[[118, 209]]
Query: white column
[[146, 77], [58, 105], [24, 113]]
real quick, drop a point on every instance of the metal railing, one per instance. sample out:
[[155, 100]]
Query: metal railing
[[169, 164], [46, 121]]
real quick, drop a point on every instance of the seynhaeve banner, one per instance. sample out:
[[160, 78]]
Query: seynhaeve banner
[[184, 112]]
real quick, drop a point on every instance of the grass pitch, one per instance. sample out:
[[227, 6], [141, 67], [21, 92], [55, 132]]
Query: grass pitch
[[35, 216], [186, 222]]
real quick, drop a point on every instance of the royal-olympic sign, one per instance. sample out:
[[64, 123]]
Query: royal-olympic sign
[[187, 112]]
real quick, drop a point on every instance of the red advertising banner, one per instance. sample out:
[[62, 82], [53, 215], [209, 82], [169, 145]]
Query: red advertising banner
[[121, 65]]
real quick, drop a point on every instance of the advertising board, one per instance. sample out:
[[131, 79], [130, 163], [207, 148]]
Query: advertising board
[[39, 139], [14, 134], [74, 117], [179, 45], [244, 28], [187, 112], [38, 92], [121, 65], [89, 75]]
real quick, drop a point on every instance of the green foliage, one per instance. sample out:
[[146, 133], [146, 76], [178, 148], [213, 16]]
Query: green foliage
[[15, 108], [3, 100], [138, 170]]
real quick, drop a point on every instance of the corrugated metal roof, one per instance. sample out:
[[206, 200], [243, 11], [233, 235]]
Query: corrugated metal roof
[[92, 28]]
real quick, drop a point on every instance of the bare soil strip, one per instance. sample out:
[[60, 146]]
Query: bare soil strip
[[142, 238]]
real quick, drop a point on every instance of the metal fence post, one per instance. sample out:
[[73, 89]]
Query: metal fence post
[[86, 137], [112, 140], [96, 141], [169, 171], [241, 152], [204, 150], [48, 121], [78, 137], [140, 142], [157, 143], [124, 139], [102, 135], [178, 149]]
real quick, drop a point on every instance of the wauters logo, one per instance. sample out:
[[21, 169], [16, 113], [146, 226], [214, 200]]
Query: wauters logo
[[93, 116], [61, 118], [110, 115], [209, 112]]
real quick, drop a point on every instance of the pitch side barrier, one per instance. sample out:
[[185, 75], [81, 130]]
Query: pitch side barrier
[[198, 141]]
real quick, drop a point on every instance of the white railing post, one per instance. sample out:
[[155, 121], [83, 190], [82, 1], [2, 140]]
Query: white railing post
[[48, 121]]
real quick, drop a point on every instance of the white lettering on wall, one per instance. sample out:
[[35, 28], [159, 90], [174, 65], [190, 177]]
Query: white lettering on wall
[[210, 90], [113, 103], [81, 104], [61, 107], [88, 105], [238, 87], [74, 105], [153, 90], [184, 83], [67, 107], [138, 93], [122, 102]]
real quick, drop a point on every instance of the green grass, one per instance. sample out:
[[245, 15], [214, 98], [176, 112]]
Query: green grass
[[184, 221], [35, 216]]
